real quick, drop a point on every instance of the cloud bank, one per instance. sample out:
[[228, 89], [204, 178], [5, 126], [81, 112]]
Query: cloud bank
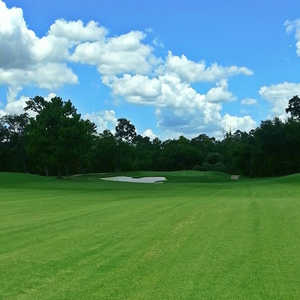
[[126, 64]]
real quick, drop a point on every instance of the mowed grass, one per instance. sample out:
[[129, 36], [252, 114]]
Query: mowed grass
[[198, 236]]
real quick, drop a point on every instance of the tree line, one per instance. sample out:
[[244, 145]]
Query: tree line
[[51, 138]]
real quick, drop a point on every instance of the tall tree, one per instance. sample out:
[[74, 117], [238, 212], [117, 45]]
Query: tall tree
[[104, 154], [125, 131], [12, 129], [125, 135], [57, 138], [294, 108]]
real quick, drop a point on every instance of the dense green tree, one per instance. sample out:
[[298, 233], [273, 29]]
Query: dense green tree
[[125, 136], [57, 139], [125, 131], [179, 154], [4, 147], [12, 129], [143, 153], [294, 108], [104, 153]]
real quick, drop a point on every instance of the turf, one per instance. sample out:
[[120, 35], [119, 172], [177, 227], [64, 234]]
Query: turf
[[198, 236]]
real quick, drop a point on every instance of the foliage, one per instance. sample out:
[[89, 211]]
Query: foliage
[[12, 142], [56, 141], [294, 108], [125, 131]]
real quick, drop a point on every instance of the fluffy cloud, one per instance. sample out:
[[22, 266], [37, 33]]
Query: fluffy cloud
[[75, 31], [103, 119], [191, 71], [51, 49], [122, 54], [27, 60], [294, 26], [220, 93], [126, 64], [166, 90], [248, 101], [127, 54], [62, 36], [190, 123], [233, 123], [16, 39], [279, 95], [137, 89], [179, 107], [49, 76], [149, 133], [16, 106], [21, 48]]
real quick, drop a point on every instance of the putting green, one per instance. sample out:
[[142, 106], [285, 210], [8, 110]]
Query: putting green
[[197, 236]]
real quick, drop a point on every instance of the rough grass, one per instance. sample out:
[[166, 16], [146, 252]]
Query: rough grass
[[198, 236]]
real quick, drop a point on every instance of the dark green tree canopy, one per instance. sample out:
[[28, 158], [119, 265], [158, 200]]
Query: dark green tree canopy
[[15, 124], [57, 137], [125, 131], [53, 139], [294, 108], [12, 130]]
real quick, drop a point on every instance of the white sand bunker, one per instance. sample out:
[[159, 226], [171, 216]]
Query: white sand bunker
[[136, 180]]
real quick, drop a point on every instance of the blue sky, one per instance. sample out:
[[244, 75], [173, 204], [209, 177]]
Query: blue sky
[[171, 67]]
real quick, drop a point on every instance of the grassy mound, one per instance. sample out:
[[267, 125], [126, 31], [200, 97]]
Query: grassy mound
[[16, 179], [294, 178]]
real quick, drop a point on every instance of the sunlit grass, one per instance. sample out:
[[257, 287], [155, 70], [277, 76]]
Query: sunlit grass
[[198, 236]]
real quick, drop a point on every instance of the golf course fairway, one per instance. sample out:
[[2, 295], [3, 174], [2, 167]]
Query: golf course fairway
[[199, 235]]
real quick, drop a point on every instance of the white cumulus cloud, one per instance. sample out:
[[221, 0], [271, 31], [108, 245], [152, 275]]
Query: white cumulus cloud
[[15, 106], [126, 64], [26, 59], [149, 133], [220, 93], [179, 107], [233, 123], [103, 119], [122, 54], [76, 31], [279, 95], [191, 71], [16, 39], [49, 76]]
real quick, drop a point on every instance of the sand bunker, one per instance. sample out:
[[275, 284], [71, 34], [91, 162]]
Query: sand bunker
[[136, 180]]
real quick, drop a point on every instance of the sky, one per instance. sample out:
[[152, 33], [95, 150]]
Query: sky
[[171, 67]]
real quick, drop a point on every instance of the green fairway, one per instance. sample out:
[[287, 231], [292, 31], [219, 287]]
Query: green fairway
[[197, 236]]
